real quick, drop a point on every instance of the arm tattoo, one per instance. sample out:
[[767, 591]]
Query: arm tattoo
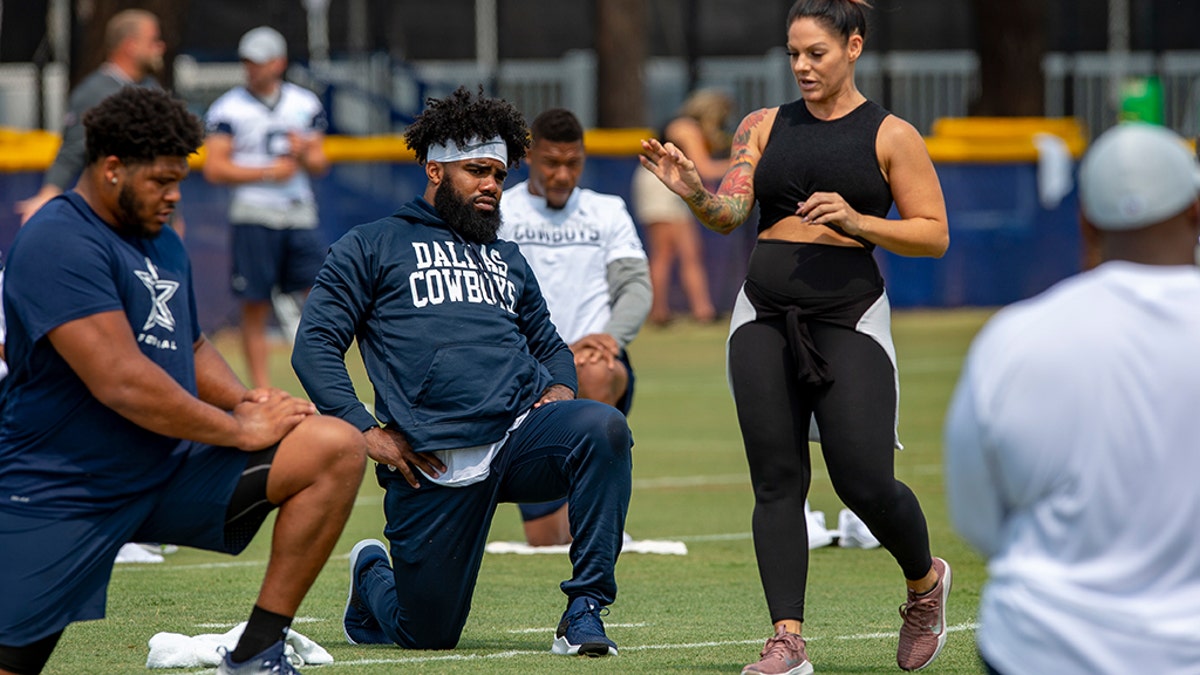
[[731, 205]]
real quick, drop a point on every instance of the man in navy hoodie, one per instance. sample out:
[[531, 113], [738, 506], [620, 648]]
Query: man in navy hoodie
[[474, 393]]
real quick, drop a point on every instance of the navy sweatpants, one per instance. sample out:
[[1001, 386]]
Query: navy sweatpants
[[575, 449]]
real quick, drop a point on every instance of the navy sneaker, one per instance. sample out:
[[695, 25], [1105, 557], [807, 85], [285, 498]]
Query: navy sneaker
[[358, 625], [270, 661], [582, 632]]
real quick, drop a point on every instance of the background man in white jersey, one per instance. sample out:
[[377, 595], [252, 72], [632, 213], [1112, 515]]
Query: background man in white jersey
[[266, 140], [1073, 440], [592, 268]]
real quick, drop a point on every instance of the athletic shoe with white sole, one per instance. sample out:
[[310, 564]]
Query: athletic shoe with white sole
[[358, 625], [581, 631], [923, 633], [271, 661], [784, 654]]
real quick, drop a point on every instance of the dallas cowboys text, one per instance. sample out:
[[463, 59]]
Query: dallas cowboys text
[[449, 272]]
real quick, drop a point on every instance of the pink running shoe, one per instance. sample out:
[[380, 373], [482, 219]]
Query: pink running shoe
[[783, 655], [923, 633]]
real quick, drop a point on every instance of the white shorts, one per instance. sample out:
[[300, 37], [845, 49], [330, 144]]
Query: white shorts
[[654, 202]]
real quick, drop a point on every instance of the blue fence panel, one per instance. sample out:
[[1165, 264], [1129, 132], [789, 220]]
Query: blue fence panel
[[1004, 246]]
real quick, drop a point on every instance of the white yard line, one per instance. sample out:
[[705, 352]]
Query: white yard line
[[522, 631], [634, 648], [227, 625]]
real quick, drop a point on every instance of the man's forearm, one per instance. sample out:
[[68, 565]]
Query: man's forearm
[[216, 383]]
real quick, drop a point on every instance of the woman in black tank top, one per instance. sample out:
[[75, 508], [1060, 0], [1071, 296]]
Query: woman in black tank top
[[810, 338]]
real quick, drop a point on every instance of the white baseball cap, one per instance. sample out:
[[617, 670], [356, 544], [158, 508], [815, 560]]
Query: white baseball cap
[[1135, 175], [262, 44]]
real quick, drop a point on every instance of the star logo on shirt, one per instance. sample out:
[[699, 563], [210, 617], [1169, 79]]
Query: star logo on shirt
[[161, 291]]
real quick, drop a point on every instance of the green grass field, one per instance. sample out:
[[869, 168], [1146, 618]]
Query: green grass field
[[699, 613]]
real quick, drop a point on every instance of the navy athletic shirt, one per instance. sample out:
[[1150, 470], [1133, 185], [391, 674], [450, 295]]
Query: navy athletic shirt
[[62, 451]]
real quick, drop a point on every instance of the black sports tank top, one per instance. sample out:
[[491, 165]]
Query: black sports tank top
[[804, 155]]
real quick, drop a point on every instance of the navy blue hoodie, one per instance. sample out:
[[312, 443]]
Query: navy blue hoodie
[[455, 337]]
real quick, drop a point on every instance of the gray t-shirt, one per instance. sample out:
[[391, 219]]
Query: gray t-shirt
[[102, 83]]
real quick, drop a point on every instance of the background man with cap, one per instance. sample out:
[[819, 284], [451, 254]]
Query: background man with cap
[[1073, 440], [133, 55], [266, 139], [474, 393]]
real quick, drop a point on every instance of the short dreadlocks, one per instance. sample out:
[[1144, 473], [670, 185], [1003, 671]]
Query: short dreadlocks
[[460, 117], [138, 125]]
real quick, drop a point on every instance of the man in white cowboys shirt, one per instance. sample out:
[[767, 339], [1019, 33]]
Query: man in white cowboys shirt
[[592, 269]]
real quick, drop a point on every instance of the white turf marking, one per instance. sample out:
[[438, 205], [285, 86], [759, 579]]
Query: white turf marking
[[730, 536], [520, 631], [196, 566], [227, 625], [637, 648], [691, 481]]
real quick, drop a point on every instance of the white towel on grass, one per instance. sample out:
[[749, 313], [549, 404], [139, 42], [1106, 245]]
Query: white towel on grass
[[851, 531], [136, 553], [818, 536], [175, 650]]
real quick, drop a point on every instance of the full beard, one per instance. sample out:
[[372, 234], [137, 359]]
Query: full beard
[[128, 222], [478, 227]]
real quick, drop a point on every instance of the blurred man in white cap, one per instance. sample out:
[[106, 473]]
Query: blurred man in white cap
[[265, 139], [1073, 439]]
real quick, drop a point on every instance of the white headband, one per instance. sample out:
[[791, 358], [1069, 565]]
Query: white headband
[[474, 148]]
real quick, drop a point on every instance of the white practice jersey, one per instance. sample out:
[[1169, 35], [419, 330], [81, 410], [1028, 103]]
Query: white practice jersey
[[1072, 457], [569, 250], [260, 135]]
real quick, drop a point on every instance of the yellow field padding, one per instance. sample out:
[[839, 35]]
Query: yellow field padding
[[1000, 139], [959, 139]]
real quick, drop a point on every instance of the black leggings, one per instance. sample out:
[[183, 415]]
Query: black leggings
[[856, 417]]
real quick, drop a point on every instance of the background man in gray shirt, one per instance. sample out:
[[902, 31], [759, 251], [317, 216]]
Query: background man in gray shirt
[[134, 53]]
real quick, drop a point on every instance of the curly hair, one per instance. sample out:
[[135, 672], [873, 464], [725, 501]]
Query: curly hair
[[138, 125], [461, 116]]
